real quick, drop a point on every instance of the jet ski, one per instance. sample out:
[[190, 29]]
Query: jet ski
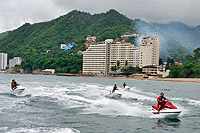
[[127, 88], [115, 94], [168, 110], [18, 90]]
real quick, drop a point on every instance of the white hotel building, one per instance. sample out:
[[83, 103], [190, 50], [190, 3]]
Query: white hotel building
[[3, 61], [98, 59], [15, 61], [150, 51]]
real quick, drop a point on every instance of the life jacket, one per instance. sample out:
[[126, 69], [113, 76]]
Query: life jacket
[[114, 88], [160, 98]]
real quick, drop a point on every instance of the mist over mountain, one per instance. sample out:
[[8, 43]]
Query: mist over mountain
[[189, 37], [170, 47]]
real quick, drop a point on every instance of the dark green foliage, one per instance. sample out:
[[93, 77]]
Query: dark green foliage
[[131, 39], [32, 41], [130, 70], [191, 69], [160, 61], [114, 68], [3, 35], [68, 64]]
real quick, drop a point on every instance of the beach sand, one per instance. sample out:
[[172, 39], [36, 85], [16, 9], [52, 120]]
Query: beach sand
[[194, 80]]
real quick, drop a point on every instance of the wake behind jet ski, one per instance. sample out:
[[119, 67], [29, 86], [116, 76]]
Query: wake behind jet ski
[[115, 94], [18, 90], [165, 107]]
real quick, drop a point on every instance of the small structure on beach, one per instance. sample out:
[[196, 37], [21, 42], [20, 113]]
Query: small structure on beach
[[48, 71]]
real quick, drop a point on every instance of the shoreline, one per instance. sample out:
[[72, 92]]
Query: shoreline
[[191, 80]]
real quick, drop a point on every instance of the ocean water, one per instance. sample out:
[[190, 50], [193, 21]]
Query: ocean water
[[61, 104]]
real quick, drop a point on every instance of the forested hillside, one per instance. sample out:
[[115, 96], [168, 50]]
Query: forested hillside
[[190, 69], [3, 35], [32, 41]]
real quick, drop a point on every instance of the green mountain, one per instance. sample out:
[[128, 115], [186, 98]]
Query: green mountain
[[190, 69], [31, 41], [3, 35], [72, 27]]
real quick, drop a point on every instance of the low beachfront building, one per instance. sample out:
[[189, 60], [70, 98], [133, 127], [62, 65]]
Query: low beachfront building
[[15, 61], [153, 70], [48, 71]]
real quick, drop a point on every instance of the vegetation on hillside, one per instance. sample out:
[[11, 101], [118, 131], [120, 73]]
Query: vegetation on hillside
[[39, 44], [3, 35], [32, 41], [191, 69]]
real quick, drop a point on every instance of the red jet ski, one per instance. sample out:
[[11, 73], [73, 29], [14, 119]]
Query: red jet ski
[[168, 110]]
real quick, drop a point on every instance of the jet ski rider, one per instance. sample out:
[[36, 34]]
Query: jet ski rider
[[124, 85], [14, 84], [114, 88], [161, 101]]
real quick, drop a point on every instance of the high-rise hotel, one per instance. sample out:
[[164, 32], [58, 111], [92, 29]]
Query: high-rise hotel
[[149, 49], [98, 59], [3, 61]]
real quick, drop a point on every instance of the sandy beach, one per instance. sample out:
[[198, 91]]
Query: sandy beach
[[194, 80]]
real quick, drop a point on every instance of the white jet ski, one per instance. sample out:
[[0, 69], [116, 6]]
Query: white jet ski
[[168, 110], [127, 88], [18, 90], [115, 94]]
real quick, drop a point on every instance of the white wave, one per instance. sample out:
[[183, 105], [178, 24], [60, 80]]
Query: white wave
[[130, 94], [189, 101], [38, 130], [91, 98], [106, 106]]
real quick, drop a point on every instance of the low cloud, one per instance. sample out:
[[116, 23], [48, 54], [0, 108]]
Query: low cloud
[[14, 13]]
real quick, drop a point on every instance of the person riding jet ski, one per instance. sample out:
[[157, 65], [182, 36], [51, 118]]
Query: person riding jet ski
[[115, 88], [124, 84], [161, 101], [14, 84]]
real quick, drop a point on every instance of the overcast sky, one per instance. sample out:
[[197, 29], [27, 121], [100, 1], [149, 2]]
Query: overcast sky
[[14, 13]]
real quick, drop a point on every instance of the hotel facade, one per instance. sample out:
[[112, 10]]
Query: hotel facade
[[149, 51], [15, 61], [99, 59], [3, 61]]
